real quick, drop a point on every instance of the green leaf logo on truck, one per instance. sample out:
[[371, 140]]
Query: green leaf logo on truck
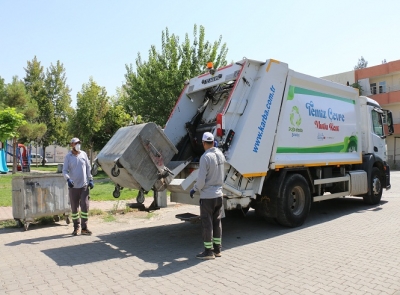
[[295, 118]]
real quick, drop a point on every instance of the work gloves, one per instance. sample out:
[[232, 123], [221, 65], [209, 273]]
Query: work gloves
[[91, 184], [192, 191], [70, 183]]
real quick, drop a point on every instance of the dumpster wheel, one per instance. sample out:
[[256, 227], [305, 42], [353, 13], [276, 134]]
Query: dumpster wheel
[[67, 220], [26, 225], [115, 171], [19, 223], [95, 169], [117, 191], [140, 197]]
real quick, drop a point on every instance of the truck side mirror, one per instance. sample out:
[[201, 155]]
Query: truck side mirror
[[389, 121]]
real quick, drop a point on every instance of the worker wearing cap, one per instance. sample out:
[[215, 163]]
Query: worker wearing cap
[[76, 171], [209, 184]]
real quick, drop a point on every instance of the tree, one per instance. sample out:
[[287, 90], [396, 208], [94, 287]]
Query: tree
[[17, 97], [155, 86], [58, 93], [52, 95], [115, 118], [357, 85], [92, 106], [10, 122], [35, 85], [2, 92], [362, 63]]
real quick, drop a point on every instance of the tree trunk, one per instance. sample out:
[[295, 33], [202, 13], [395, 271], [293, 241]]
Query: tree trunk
[[91, 155], [44, 152], [14, 170], [36, 157]]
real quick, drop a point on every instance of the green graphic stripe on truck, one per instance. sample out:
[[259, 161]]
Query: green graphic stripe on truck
[[294, 89], [348, 145]]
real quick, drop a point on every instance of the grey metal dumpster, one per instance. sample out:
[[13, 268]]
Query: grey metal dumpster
[[39, 195], [136, 157]]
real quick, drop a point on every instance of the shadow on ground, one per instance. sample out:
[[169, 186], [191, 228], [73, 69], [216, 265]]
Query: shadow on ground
[[173, 246]]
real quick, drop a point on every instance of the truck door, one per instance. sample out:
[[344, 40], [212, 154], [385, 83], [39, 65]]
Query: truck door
[[378, 134]]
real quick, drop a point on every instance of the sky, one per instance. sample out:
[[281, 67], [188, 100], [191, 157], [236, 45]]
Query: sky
[[99, 38]]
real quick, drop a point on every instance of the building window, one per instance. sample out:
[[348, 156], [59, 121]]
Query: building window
[[382, 87], [373, 88]]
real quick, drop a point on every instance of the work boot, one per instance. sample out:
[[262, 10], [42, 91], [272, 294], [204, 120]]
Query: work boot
[[86, 232], [75, 232], [217, 250], [206, 255]]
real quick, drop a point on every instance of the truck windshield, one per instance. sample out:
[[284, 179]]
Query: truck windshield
[[377, 125]]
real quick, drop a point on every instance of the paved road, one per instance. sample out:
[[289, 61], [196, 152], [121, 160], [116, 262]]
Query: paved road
[[345, 247]]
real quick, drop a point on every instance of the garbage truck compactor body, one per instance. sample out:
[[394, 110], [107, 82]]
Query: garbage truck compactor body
[[289, 139]]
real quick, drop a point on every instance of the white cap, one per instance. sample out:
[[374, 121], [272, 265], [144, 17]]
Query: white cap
[[75, 139], [207, 136]]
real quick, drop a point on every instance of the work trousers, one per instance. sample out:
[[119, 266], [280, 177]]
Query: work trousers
[[79, 197], [210, 214]]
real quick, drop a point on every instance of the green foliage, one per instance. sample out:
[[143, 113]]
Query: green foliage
[[10, 121], [51, 94], [155, 86], [96, 212], [16, 96], [98, 116], [362, 63], [115, 118], [2, 92], [92, 106], [109, 218], [35, 85], [357, 86], [58, 93]]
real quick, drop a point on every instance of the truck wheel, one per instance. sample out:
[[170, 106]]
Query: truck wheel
[[295, 201], [374, 197]]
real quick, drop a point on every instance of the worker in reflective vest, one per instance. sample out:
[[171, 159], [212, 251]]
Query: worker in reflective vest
[[76, 171], [209, 184]]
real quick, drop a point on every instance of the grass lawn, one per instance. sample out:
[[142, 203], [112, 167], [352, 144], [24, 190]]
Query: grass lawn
[[103, 187], [5, 189]]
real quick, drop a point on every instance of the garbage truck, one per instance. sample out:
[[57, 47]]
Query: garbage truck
[[289, 139]]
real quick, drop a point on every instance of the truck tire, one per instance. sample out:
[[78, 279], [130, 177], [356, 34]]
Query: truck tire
[[295, 201], [374, 197]]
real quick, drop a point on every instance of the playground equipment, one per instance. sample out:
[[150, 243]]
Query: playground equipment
[[3, 163]]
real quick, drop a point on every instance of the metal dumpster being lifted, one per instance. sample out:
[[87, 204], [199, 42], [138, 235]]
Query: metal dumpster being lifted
[[136, 157], [39, 195]]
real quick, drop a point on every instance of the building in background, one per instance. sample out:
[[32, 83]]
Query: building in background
[[54, 153], [381, 83]]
